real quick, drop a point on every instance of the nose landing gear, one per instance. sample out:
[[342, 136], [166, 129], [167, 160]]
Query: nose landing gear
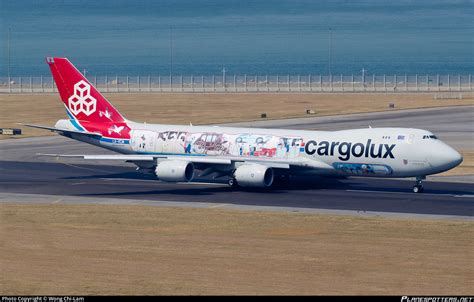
[[418, 187]]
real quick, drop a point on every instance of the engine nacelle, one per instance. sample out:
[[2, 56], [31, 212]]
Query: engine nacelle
[[254, 175], [175, 170]]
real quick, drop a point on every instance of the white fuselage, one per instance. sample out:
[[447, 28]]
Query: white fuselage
[[379, 152]]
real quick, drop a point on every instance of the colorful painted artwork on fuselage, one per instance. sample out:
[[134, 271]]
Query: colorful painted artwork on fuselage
[[213, 143]]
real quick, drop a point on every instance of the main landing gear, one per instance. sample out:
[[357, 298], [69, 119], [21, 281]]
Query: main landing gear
[[418, 187], [233, 183]]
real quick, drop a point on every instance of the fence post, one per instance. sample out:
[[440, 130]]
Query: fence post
[[235, 83], [384, 83], [449, 83], [21, 85], [138, 80], [437, 82], [192, 83], [416, 82], [310, 86], [159, 83], [245, 80], [52, 84], [95, 81], [9, 84], [363, 81], [373, 82], [223, 82], [299, 83], [182, 87], [149, 83], [106, 84], [266, 83], [352, 80], [289, 85], [117, 83], [213, 84], [342, 83], [31, 83], [256, 83], [330, 82], [41, 81], [278, 83], [320, 82], [202, 83], [395, 84], [428, 82], [128, 85], [459, 78], [406, 83]]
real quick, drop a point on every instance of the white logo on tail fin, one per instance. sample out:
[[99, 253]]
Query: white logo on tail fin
[[106, 113], [82, 101], [116, 129]]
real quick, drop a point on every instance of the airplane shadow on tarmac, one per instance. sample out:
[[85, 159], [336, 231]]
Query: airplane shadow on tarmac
[[117, 181], [297, 183]]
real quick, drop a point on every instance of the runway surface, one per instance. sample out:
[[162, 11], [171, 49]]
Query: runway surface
[[23, 172]]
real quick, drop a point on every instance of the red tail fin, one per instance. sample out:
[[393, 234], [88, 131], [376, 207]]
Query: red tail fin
[[82, 100]]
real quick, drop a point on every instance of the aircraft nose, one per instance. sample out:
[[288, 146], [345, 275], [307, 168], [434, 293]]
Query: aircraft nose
[[455, 158], [447, 158]]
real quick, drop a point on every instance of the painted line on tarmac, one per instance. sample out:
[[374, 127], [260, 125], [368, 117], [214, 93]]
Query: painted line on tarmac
[[218, 206], [83, 168], [57, 201], [414, 194], [464, 196], [204, 183], [158, 181], [128, 180]]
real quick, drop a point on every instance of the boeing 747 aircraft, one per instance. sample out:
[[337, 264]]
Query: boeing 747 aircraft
[[249, 157]]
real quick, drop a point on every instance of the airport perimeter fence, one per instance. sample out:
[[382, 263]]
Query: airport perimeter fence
[[247, 83]]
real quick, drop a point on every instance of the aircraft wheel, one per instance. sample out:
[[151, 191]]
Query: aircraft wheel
[[418, 189], [233, 183]]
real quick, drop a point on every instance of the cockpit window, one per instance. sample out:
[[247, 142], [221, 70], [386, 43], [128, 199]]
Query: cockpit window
[[430, 137]]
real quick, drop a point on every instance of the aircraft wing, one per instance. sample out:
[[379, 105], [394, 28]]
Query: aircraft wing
[[144, 157], [278, 163]]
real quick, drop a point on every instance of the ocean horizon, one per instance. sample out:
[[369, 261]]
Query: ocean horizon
[[185, 37]]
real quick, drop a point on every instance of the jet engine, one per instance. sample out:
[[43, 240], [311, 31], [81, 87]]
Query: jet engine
[[254, 175], [175, 170]]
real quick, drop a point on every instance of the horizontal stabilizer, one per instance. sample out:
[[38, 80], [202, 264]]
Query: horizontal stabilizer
[[53, 129]]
